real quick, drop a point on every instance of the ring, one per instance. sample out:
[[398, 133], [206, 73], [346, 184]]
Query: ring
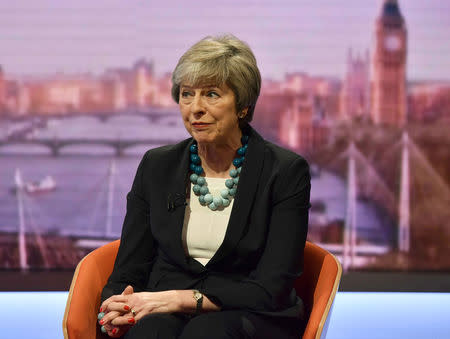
[[133, 312]]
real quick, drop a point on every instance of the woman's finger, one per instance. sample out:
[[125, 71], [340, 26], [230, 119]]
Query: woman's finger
[[131, 317], [119, 331], [107, 328], [125, 319], [114, 298], [128, 290], [118, 307], [108, 317], [114, 332]]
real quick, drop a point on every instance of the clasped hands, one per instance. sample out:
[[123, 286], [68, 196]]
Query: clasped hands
[[119, 312]]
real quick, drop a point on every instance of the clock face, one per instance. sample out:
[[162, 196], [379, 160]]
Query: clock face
[[392, 43]]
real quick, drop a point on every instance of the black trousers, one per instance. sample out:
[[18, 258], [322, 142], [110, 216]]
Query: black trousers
[[214, 325]]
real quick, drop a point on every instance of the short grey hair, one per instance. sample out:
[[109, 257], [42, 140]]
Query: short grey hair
[[221, 60]]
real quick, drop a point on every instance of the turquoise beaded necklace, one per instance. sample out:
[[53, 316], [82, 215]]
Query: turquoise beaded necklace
[[200, 187]]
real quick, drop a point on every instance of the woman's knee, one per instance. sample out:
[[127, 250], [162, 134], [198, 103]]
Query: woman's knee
[[218, 325], [156, 326]]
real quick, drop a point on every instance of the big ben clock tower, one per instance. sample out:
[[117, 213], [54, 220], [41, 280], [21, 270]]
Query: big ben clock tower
[[388, 81]]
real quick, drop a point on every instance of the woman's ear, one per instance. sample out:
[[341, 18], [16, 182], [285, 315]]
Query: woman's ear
[[243, 113]]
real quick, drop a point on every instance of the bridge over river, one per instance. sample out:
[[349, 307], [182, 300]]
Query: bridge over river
[[56, 145]]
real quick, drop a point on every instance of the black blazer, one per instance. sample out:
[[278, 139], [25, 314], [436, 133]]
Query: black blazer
[[262, 253]]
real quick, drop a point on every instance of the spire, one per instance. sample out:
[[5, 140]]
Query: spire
[[390, 13], [390, 8]]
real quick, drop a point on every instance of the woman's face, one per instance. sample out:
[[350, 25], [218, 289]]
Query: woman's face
[[209, 113]]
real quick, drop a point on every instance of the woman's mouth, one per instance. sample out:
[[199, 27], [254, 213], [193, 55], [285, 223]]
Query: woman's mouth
[[200, 124]]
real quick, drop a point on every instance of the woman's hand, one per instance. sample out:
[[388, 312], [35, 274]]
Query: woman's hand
[[116, 331], [121, 308], [122, 311]]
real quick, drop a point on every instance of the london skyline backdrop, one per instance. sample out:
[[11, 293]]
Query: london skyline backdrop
[[286, 36]]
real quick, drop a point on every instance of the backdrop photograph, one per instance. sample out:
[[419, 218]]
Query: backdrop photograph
[[361, 89]]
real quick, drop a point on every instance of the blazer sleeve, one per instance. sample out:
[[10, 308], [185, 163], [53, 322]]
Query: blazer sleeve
[[269, 286], [137, 246]]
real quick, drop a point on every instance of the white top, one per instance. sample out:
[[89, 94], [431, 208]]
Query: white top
[[204, 229]]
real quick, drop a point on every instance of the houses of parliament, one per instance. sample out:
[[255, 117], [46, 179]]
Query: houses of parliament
[[373, 88]]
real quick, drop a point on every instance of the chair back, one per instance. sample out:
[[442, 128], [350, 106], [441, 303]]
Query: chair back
[[83, 301], [317, 286]]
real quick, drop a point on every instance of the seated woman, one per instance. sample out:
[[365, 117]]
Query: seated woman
[[216, 225]]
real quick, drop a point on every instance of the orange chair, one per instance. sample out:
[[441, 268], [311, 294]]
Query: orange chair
[[317, 287], [83, 302]]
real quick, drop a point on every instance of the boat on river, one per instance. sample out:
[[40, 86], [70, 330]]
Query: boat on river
[[47, 184]]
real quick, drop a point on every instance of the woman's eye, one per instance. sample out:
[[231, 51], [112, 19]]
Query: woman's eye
[[185, 94], [213, 94]]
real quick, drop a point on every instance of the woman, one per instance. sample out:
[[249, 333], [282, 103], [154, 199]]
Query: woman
[[216, 225]]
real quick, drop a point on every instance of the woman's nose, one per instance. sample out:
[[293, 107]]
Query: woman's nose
[[197, 107]]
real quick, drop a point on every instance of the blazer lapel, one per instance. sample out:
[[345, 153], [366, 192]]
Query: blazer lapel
[[176, 201], [243, 201]]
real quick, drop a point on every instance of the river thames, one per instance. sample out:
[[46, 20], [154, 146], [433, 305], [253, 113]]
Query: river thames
[[79, 203]]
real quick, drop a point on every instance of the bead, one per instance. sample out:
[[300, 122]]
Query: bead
[[200, 186], [229, 183], [201, 199], [233, 173], [193, 148], [217, 201], [201, 181], [100, 315], [196, 189], [194, 178], [208, 198], [237, 162], [224, 193], [195, 159], [103, 329]]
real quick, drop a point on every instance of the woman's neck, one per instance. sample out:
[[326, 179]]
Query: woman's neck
[[217, 159]]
